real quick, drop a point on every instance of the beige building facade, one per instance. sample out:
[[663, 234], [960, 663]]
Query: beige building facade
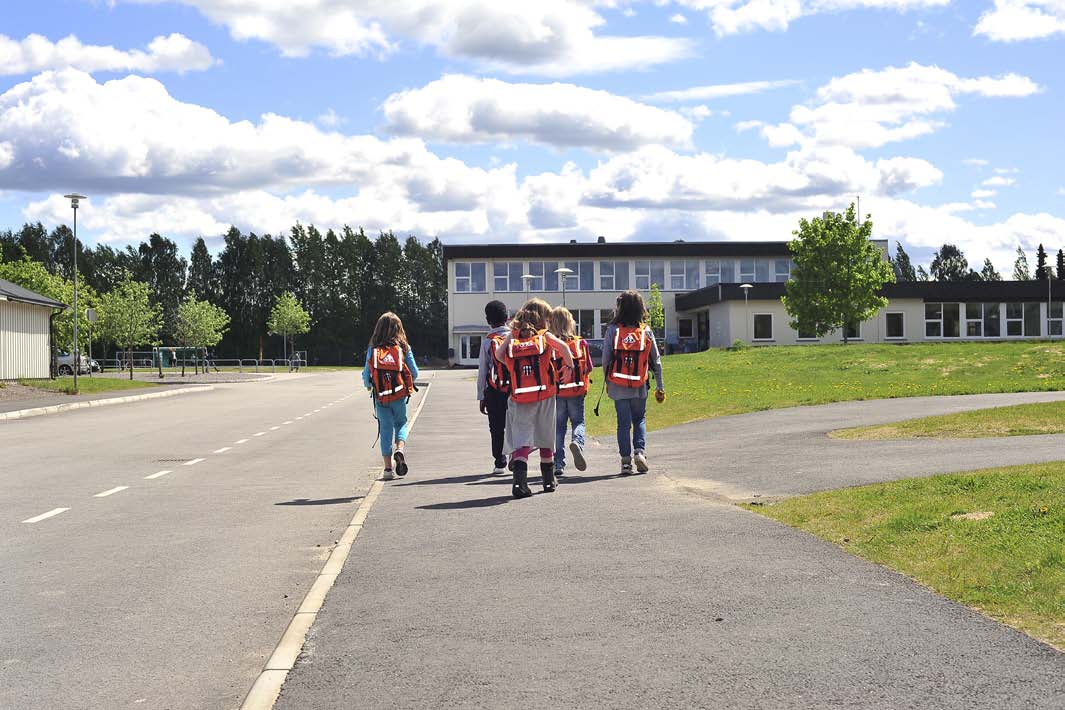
[[25, 332]]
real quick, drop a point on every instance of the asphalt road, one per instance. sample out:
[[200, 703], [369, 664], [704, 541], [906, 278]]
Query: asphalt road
[[169, 590], [632, 593]]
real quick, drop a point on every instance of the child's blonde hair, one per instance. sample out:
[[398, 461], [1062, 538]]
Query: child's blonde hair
[[389, 332], [561, 323], [531, 318]]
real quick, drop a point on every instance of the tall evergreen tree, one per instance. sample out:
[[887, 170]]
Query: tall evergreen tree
[[988, 273], [949, 264], [1020, 267], [1061, 265], [1041, 271], [922, 275], [903, 267], [203, 274]]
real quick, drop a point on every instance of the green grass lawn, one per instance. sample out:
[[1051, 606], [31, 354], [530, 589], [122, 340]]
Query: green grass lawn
[[719, 382], [1011, 565], [1018, 420], [87, 385]]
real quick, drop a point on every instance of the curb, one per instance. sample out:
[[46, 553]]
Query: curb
[[57, 408], [267, 686]]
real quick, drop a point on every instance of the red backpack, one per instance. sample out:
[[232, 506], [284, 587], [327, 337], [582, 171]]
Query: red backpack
[[632, 352], [575, 385], [532, 374], [498, 374], [389, 374]]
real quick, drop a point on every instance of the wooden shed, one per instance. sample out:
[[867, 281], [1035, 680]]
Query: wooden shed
[[25, 332]]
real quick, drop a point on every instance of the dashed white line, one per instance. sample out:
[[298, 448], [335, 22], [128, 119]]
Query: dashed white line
[[308, 414], [222, 450], [298, 418], [241, 441], [157, 474], [44, 516], [288, 422], [259, 433], [274, 428], [192, 462], [114, 490]]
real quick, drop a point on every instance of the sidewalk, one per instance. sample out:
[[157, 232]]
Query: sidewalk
[[627, 593]]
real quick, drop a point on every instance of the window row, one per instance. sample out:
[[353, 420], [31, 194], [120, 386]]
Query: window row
[[985, 320], [669, 275]]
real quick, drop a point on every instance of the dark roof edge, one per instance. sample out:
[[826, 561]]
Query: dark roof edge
[[18, 294], [608, 250]]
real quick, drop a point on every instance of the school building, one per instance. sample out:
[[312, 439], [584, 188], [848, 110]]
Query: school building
[[706, 304]]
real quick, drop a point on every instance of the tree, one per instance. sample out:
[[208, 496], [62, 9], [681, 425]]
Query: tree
[[949, 264], [34, 276], [988, 273], [903, 268], [200, 324], [203, 276], [656, 314], [837, 275], [1061, 265], [1041, 270], [288, 318], [1020, 267], [128, 318], [922, 275]]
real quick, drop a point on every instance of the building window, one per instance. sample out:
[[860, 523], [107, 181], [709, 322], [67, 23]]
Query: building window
[[853, 331], [614, 275], [1054, 321], [650, 272], [507, 276], [606, 315], [896, 327], [763, 326], [781, 270], [585, 323], [807, 334], [683, 275], [974, 320], [544, 276], [470, 347], [469, 277], [1022, 319], [686, 328], [1031, 320], [583, 276], [747, 271], [992, 320], [713, 272], [933, 320], [761, 271]]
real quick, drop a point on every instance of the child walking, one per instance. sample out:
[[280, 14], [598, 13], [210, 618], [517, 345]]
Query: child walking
[[572, 388], [629, 352], [528, 352], [493, 381], [389, 373]]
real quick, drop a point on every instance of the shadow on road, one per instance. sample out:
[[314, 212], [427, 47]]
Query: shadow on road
[[463, 504], [322, 501], [471, 478]]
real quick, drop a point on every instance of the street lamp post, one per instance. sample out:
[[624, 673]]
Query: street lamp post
[[77, 357], [563, 273], [527, 278], [746, 311]]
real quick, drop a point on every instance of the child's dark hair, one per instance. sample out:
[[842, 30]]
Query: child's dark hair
[[495, 312], [388, 332], [630, 311]]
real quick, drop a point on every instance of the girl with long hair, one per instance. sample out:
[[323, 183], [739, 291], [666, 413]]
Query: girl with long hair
[[389, 373], [572, 389]]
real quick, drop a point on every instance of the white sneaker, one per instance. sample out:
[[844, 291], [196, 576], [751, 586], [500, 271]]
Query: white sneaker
[[388, 475], [640, 459], [497, 471], [578, 456]]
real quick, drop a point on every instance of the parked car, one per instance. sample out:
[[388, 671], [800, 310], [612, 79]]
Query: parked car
[[64, 364], [94, 366]]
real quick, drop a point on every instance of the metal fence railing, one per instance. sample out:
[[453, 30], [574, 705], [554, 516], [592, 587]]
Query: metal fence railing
[[149, 364]]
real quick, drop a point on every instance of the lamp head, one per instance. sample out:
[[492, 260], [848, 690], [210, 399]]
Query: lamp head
[[74, 197]]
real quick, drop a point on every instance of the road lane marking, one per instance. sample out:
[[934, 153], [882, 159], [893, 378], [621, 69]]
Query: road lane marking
[[241, 441], [288, 422], [114, 490], [192, 462], [157, 475], [274, 428], [45, 516], [222, 450], [259, 433]]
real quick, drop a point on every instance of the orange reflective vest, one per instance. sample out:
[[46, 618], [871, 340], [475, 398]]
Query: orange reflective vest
[[389, 374], [532, 375], [574, 383], [498, 374], [632, 353]]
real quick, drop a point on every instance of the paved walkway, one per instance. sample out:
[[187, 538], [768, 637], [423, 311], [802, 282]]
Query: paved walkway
[[629, 593]]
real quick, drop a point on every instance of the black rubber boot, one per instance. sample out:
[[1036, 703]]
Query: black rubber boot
[[521, 479], [547, 472]]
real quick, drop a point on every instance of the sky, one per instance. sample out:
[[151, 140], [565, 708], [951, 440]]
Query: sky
[[484, 121]]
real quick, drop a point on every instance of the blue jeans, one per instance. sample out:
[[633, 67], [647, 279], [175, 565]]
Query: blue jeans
[[392, 419], [568, 409], [632, 415]]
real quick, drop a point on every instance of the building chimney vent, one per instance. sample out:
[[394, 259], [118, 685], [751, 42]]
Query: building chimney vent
[[601, 240], [572, 241]]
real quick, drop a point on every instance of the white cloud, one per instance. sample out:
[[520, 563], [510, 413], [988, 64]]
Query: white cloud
[[462, 109], [975, 162], [998, 181], [1014, 20], [699, 112], [551, 37], [330, 119], [679, 19], [729, 17], [36, 53], [1007, 171], [1061, 191], [869, 109], [716, 91], [982, 194]]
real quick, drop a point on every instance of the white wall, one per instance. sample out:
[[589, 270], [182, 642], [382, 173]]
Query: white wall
[[23, 340]]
